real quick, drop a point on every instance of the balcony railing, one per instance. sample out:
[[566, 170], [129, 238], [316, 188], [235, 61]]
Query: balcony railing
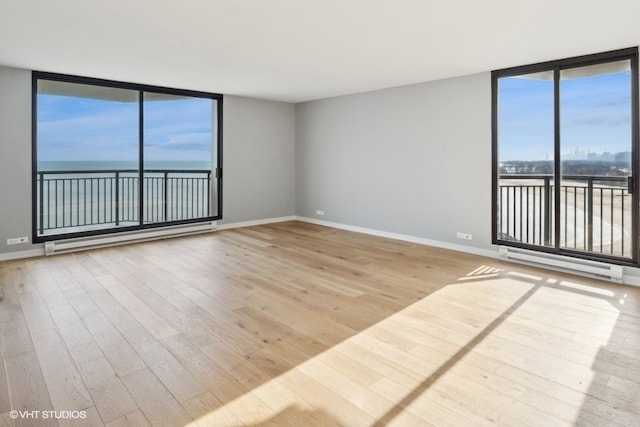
[[595, 212], [85, 199]]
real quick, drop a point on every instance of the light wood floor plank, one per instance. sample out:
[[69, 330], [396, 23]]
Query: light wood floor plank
[[205, 368], [66, 388], [87, 418], [47, 286], [5, 420], [106, 389], [167, 368], [298, 324], [21, 276], [36, 312], [28, 390], [117, 314], [290, 406], [123, 358], [157, 404], [207, 411], [5, 400], [323, 399], [77, 338], [14, 338], [9, 302], [147, 317], [134, 419]]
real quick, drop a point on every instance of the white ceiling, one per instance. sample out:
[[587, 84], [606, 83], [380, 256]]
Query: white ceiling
[[298, 50]]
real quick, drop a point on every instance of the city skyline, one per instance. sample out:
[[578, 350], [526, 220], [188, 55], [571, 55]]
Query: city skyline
[[595, 115]]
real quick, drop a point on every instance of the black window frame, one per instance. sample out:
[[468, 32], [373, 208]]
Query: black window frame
[[556, 66], [216, 170]]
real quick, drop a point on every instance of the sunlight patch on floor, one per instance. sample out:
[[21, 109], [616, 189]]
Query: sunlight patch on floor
[[587, 288], [482, 350]]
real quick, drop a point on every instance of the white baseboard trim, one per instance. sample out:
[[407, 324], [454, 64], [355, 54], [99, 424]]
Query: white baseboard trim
[[256, 222], [29, 253], [403, 237], [628, 279], [32, 253], [631, 280], [55, 247]]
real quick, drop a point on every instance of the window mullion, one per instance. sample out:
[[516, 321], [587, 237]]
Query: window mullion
[[557, 164], [141, 158], [635, 159]]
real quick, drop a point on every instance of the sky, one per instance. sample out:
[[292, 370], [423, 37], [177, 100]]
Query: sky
[[86, 129], [595, 116]]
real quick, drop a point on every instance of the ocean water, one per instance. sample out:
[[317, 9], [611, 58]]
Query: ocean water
[[89, 194], [120, 165]]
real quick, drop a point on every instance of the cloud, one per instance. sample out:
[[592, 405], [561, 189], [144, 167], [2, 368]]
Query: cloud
[[600, 120], [620, 101], [187, 141], [92, 129]]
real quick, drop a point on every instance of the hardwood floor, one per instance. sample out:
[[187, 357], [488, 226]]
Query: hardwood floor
[[297, 324]]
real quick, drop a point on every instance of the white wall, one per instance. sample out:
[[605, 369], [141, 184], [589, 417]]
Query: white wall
[[258, 160], [15, 157], [413, 160]]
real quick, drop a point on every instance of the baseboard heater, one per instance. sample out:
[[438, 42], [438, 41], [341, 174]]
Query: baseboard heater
[[599, 270], [64, 246]]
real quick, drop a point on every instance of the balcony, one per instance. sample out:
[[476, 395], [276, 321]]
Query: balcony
[[79, 200], [595, 212]]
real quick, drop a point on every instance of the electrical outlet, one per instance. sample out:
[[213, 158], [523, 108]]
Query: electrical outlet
[[18, 240], [464, 236], [320, 213]]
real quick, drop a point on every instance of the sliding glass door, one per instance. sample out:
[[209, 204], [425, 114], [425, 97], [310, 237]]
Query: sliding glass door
[[179, 142], [595, 149], [112, 156], [526, 159], [87, 168], [565, 149]]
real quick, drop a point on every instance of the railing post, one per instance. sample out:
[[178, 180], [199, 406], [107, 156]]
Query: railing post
[[41, 199], [117, 198], [547, 210], [590, 213], [164, 198], [209, 193]]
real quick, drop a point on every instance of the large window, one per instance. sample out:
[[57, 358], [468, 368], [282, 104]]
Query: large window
[[111, 156], [565, 156]]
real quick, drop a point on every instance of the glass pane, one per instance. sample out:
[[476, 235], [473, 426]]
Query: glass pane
[[595, 112], [87, 152], [179, 155], [525, 159]]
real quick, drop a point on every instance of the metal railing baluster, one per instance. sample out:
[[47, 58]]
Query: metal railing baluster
[[525, 212], [74, 200]]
